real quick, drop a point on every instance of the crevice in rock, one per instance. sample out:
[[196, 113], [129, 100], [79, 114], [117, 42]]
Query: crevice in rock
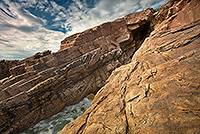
[[63, 83], [128, 50], [135, 97], [126, 118], [104, 126], [176, 44], [185, 28], [138, 33], [80, 130], [123, 110]]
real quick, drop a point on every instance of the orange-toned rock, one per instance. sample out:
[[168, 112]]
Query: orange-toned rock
[[158, 91], [137, 18], [42, 85], [90, 96]]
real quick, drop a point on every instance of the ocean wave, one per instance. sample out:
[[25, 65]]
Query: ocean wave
[[58, 121]]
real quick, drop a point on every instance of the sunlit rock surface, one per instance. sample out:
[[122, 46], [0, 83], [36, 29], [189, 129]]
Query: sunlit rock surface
[[42, 85], [159, 90], [155, 88]]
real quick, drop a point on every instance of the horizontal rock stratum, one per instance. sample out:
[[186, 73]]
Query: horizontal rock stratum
[[143, 68]]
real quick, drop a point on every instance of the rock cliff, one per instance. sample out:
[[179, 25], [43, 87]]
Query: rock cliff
[[159, 90], [155, 88], [42, 85]]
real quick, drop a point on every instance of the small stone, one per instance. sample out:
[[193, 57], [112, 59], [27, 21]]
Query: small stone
[[74, 111], [133, 27], [82, 109], [90, 96]]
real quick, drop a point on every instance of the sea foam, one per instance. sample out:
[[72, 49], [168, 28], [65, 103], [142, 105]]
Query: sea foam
[[58, 121]]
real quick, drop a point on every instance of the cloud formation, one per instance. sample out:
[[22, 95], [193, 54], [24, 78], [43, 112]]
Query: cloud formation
[[30, 26]]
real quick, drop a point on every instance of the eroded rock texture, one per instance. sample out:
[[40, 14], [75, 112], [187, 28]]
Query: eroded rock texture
[[159, 90], [42, 85], [5, 66]]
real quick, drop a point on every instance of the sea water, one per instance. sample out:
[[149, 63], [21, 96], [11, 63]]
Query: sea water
[[58, 121]]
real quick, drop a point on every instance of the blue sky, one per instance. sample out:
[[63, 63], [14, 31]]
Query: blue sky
[[31, 26]]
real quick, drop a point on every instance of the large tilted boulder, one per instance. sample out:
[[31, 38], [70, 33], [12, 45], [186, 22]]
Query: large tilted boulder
[[159, 90], [42, 85]]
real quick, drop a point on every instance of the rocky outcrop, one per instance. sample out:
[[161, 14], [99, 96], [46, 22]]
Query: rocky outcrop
[[42, 85], [38, 55], [158, 91], [5, 66]]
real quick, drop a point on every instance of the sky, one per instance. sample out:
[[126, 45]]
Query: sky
[[31, 26]]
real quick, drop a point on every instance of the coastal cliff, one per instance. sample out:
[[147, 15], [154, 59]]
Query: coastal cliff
[[143, 68], [158, 91]]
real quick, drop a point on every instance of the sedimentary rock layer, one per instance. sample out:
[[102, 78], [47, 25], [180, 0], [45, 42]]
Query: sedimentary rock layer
[[42, 85], [159, 90]]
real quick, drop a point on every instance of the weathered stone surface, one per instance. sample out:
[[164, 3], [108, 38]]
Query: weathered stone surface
[[137, 18], [90, 96], [5, 66], [42, 85], [158, 91]]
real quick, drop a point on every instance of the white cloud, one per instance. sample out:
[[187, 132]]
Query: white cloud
[[105, 10], [22, 34], [39, 40], [152, 3], [21, 17]]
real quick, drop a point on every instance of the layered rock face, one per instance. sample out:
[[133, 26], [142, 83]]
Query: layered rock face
[[5, 66], [159, 90], [42, 85]]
